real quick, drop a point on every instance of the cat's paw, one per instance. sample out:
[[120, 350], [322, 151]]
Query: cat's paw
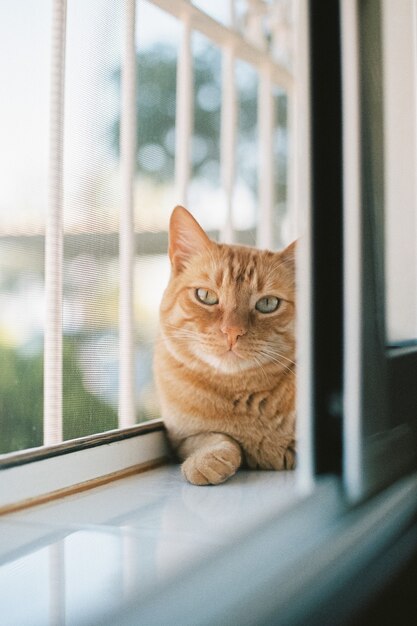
[[212, 466]]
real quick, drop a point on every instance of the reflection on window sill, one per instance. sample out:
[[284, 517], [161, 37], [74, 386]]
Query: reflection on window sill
[[126, 536]]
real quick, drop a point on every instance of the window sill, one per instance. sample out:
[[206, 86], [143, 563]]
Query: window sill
[[34, 476], [94, 549], [108, 555]]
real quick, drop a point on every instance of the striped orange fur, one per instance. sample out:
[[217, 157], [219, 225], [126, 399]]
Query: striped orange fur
[[225, 367]]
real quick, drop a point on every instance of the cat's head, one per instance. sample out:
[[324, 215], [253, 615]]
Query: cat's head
[[229, 307]]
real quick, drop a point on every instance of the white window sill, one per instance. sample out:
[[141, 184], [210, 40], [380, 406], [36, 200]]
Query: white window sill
[[41, 474], [139, 550], [82, 556]]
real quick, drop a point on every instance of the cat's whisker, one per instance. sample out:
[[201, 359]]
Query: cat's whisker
[[261, 367], [277, 361], [267, 347], [275, 353]]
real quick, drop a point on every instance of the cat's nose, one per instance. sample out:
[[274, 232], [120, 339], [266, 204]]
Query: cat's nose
[[232, 334]]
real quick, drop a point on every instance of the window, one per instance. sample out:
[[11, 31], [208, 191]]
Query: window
[[380, 401], [339, 134], [141, 106]]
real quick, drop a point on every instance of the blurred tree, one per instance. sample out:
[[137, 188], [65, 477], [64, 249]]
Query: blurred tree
[[84, 413], [156, 105], [21, 401]]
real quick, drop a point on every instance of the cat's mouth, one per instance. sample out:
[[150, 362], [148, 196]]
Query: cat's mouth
[[232, 353], [228, 361]]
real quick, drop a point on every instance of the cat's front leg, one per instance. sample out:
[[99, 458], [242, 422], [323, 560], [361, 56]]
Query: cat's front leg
[[210, 458]]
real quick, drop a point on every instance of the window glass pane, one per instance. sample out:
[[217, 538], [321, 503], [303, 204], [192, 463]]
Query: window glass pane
[[206, 200], [91, 203], [24, 131], [400, 154], [282, 220], [157, 43], [245, 200]]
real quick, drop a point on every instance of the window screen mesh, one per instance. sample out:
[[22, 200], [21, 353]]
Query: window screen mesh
[[282, 230], [24, 132], [205, 197], [157, 43], [92, 197], [91, 202], [245, 205]]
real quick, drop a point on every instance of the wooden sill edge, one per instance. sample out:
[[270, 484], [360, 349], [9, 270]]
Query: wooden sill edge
[[84, 486]]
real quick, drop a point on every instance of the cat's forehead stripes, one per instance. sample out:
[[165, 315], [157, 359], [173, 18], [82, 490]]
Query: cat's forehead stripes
[[243, 265]]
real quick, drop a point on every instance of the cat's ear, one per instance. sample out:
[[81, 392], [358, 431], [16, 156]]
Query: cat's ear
[[186, 238], [288, 255], [289, 251]]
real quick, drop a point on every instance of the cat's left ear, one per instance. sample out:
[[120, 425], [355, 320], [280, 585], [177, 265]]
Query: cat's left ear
[[186, 238], [288, 255], [289, 251]]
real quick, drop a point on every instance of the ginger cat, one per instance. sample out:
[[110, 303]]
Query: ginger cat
[[225, 361]]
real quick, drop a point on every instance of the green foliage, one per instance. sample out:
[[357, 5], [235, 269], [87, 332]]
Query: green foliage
[[84, 413], [21, 400], [156, 105]]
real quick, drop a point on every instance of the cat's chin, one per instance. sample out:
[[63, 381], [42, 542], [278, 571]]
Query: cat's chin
[[226, 363]]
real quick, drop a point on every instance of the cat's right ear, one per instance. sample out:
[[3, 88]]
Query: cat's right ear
[[186, 238]]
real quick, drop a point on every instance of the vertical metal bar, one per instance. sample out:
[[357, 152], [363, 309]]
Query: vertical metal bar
[[126, 236], [52, 420], [293, 119], [266, 123], [184, 113], [352, 448], [292, 178], [301, 152], [228, 138]]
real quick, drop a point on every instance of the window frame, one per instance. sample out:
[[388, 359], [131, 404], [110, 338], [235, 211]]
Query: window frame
[[380, 397], [320, 398], [313, 571]]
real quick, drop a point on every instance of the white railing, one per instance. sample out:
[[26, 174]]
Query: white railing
[[184, 113], [126, 236], [265, 157], [52, 417], [247, 41]]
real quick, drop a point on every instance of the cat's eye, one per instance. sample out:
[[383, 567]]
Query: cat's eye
[[206, 296], [268, 304]]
